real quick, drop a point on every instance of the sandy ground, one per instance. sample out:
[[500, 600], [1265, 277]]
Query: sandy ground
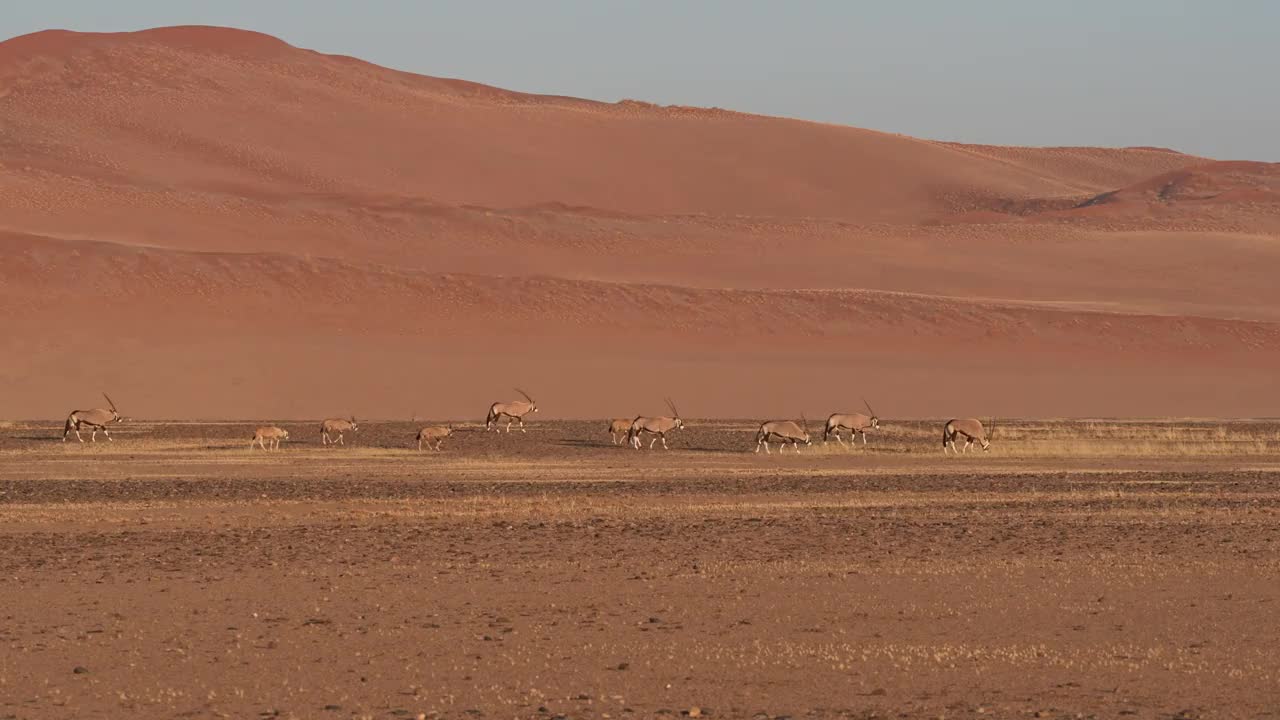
[[1099, 569]]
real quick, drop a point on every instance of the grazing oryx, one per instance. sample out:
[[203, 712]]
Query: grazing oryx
[[270, 435], [336, 426], [856, 424], [513, 411], [783, 432], [98, 419], [429, 435], [618, 429], [970, 429], [658, 427]]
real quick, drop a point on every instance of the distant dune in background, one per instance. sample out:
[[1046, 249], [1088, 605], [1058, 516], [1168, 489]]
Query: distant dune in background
[[208, 222]]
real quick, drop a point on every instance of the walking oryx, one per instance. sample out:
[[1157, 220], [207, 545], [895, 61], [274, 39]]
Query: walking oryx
[[618, 429], [968, 428], [513, 411], [336, 426], [98, 419], [783, 432], [855, 423], [658, 427], [269, 436], [429, 435]]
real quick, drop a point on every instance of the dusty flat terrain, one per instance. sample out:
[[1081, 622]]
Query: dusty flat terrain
[[1084, 569]]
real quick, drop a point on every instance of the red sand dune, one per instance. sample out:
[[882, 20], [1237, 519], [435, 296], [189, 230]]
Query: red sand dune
[[215, 223]]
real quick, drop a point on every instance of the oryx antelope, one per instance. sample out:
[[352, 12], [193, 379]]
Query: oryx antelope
[[97, 419], [658, 427], [436, 435], [855, 423], [968, 428], [783, 432], [513, 411], [268, 438], [337, 427], [619, 428]]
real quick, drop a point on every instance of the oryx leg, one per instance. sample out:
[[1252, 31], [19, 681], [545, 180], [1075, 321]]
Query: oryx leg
[[521, 420], [509, 424], [94, 436], [107, 434], [664, 440], [864, 437]]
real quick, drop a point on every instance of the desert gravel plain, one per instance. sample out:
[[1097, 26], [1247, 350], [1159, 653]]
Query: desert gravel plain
[[1080, 569]]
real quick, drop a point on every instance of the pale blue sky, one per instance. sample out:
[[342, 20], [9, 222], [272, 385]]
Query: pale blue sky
[[1192, 75]]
